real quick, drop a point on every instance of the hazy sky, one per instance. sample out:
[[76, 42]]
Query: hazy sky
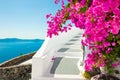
[[25, 18]]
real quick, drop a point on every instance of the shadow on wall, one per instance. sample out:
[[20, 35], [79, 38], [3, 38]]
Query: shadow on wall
[[55, 65]]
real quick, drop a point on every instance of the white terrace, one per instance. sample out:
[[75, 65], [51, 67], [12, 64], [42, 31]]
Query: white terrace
[[59, 58]]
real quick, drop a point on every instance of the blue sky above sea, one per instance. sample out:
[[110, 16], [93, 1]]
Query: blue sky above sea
[[25, 19]]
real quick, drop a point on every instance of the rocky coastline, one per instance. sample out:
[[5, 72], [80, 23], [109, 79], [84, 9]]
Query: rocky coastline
[[11, 70]]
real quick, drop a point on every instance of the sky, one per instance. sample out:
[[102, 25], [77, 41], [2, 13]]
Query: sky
[[25, 19]]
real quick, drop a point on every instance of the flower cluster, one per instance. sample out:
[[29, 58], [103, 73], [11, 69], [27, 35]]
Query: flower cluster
[[116, 64], [101, 21], [56, 23]]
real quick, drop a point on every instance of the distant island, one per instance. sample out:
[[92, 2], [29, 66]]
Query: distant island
[[20, 40], [13, 47]]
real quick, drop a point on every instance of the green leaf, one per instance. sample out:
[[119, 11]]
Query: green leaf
[[116, 37], [65, 17], [68, 5], [110, 37], [83, 10], [88, 3], [118, 42], [110, 69], [92, 19], [87, 75], [74, 1]]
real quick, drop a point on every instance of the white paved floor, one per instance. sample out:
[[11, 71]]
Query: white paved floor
[[71, 56], [68, 66]]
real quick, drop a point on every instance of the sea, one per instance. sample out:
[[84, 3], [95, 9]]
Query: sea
[[9, 50]]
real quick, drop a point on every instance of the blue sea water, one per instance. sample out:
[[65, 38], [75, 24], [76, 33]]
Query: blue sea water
[[9, 50]]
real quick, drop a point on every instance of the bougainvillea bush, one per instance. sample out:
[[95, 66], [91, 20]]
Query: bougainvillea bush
[[100, 20]]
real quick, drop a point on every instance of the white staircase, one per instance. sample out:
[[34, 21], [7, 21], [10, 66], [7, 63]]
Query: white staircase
[[59, 58]]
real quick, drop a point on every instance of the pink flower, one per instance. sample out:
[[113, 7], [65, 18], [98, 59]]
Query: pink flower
[[109, 50], [57, 1], [100, 21], [113, 43], [53, 58], [115, 30], [48, 15], [115, 65]]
